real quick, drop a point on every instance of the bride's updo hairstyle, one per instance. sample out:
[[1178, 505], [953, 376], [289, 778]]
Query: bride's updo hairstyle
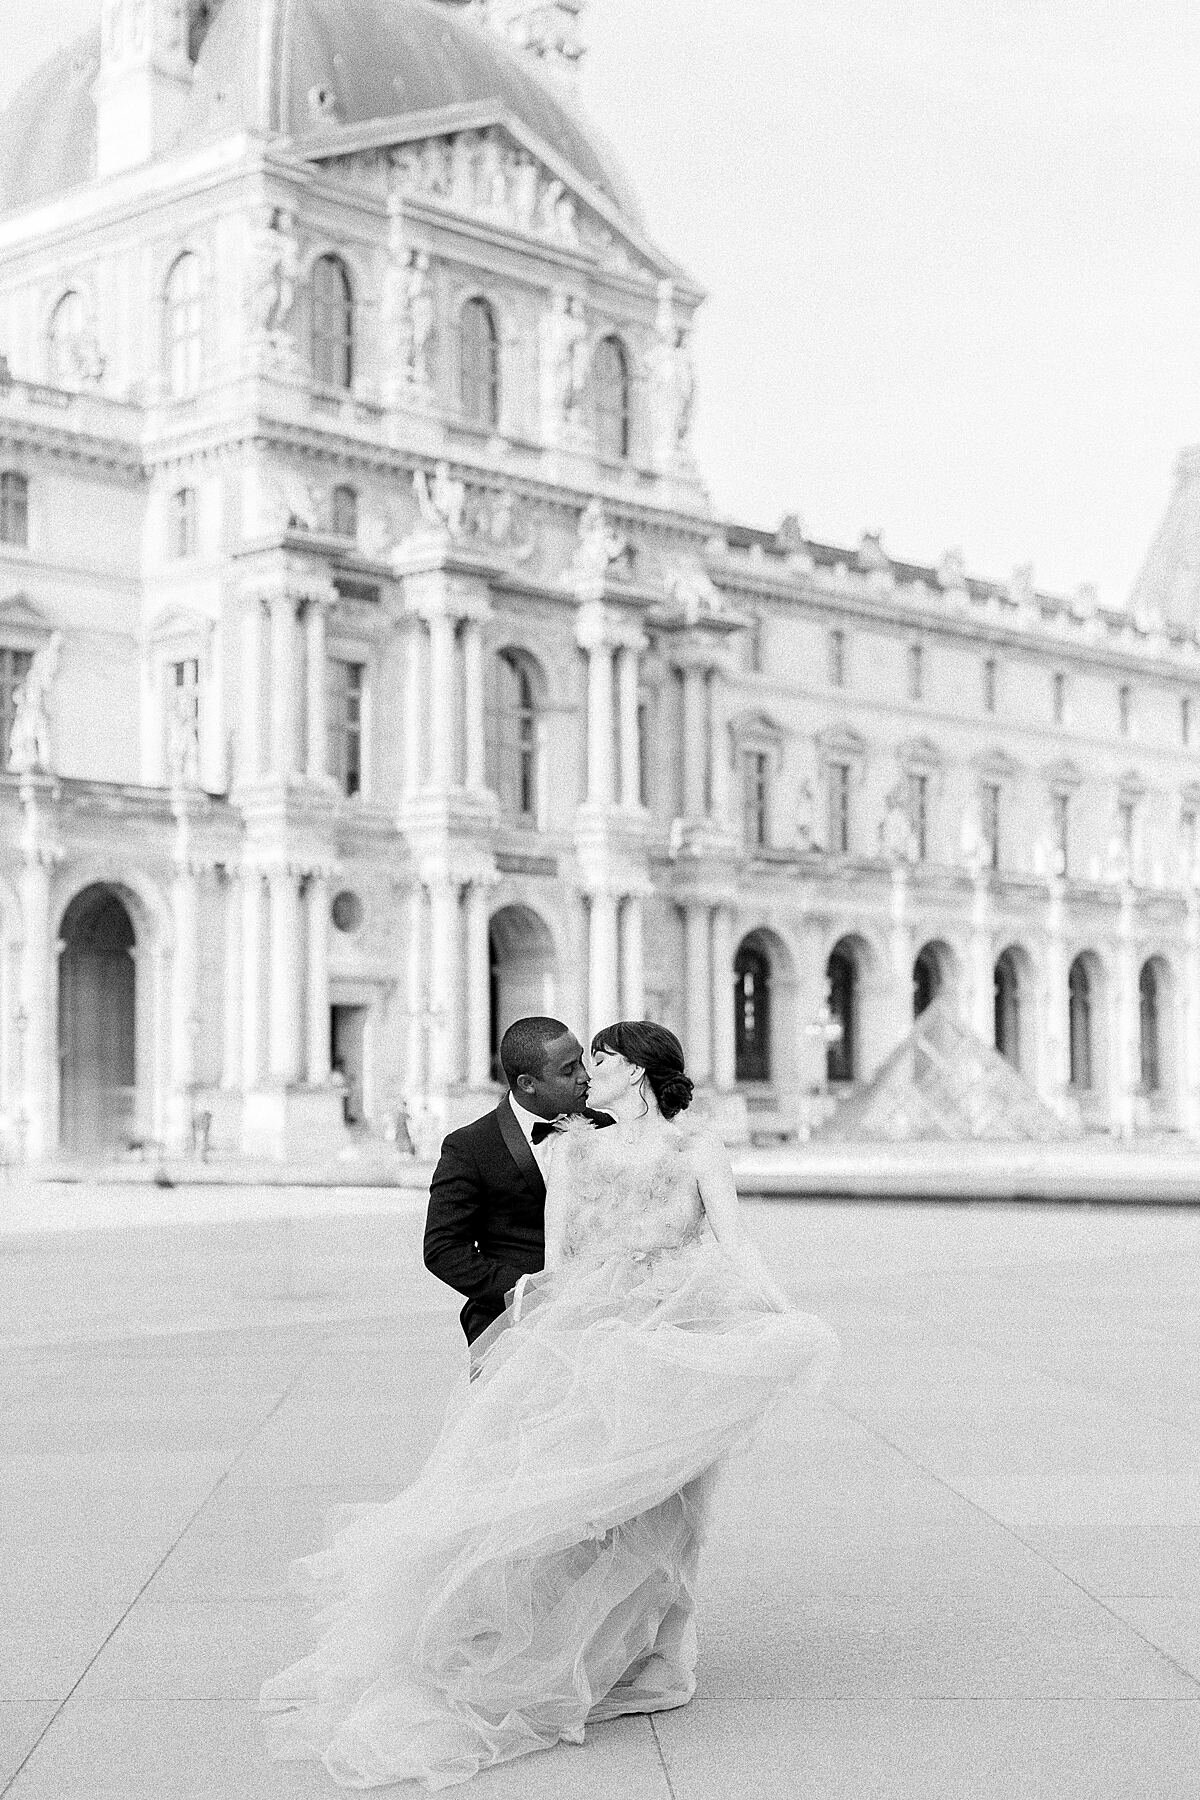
[[658, 1051]]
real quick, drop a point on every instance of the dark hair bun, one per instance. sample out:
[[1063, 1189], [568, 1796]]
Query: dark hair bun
[[673, 1093], [653, 1048]]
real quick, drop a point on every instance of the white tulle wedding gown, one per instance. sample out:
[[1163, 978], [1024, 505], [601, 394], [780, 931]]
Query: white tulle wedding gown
[[539, 1573]]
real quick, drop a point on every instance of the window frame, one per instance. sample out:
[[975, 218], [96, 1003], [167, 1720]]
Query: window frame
[[15, 489], [346, 721], [343, 507], [915, 665], [835, 654], [333, 347], [991, 684], [480, 384], [622, 411], [184, 327], [183, 524]]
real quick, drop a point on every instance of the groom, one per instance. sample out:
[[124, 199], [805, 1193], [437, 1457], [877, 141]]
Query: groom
[[485, 1225]]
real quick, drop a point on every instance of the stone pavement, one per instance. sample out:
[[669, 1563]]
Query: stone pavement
[[973, 1572]]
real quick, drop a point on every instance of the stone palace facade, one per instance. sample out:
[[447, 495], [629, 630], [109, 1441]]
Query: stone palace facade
[[374, 667]]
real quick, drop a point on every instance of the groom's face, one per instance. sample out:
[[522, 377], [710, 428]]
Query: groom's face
[[563, 1084]]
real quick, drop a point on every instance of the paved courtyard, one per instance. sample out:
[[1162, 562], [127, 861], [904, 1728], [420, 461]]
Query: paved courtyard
[[975, 1571]]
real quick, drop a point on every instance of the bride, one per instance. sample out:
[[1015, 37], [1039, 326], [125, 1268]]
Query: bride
[[539, 1574]]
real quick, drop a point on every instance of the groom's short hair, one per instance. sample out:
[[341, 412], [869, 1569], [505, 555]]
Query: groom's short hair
[[523, 1047]]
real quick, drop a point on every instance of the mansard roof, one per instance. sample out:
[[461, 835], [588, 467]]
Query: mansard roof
[[279, 68]]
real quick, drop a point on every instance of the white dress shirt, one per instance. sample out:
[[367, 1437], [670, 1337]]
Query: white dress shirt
[[527, 1120]]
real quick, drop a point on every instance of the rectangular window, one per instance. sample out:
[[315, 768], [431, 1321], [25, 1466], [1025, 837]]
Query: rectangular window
[[916, 672], [837, 658], [344, 688], [839, 808], [1060, 699], [1187, 839], [14, 667], [1062, 833], [182, 718], [1185, 721], [1125, 709], [181, 527], [14, 509], [643, 733], [755, 646], [757, 798], [990, 821], [918, 813], [989, 684]]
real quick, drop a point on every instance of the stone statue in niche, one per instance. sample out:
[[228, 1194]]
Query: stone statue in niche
[[463, 158], [673, 380], [442, 501], [599, 547], [897, 840], [501, 526], [275, 277], [806, 817], [567, 346], [183, 739], [523, 193], [29, 745]]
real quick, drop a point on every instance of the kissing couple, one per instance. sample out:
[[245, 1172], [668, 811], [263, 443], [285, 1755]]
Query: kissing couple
[[539, 1575]]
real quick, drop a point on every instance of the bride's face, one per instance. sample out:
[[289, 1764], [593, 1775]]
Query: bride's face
[[610, 1077]]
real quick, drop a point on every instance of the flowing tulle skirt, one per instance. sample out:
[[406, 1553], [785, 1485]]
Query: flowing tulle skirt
[[539, 1573]]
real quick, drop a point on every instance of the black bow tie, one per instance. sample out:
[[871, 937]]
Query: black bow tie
[[544, 1128]]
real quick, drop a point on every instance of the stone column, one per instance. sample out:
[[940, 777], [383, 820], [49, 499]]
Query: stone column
[[250, 760], [1126, 1078], [1189, 1061], [1055, 1063], [416, 710], [252, 982], [698, 989], [284, 668], [231, 1026], [37, 967], [627, 687], [416, 1071], [603, 967], [473, 704], [284, 888], [600, 724], [695, 748], [444, 979], [633, 972], [901, 956], [724, 1040], [317, 908], [721, 783], [185, 1019], [440, 704], [983, 969], [478, 985], [317, 719]]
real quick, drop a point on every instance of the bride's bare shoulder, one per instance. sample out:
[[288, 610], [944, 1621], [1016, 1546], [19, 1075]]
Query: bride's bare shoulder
[[702, 1144]]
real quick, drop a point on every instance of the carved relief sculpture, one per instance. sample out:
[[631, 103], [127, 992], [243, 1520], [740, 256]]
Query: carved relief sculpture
[[598, 549], [274, 283], [29, 746], [442, 501]]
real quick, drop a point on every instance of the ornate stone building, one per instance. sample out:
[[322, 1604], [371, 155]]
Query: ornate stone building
[[374, 668]]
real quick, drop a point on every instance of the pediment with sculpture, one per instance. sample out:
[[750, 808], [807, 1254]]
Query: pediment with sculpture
[[487, 166]]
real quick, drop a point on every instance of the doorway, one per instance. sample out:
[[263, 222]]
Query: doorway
[[347, 1055]]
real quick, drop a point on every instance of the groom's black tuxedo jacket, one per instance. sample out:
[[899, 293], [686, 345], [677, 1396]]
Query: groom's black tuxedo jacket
[[486, 1222]]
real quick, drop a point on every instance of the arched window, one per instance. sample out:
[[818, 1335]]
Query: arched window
[[66, 330], [183, 310], [611, 393], [14, 509], [752, 1014], [1148, 1009], [1008, 1010], [345, 512], [515, 736], [927, 980], [1079, 996], [841, 1055], [332, 323], [479, 364]]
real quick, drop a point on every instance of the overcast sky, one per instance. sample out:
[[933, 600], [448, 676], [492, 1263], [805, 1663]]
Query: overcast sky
[[951, 248]]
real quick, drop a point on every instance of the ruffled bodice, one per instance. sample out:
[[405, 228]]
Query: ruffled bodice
[[615, 1206]]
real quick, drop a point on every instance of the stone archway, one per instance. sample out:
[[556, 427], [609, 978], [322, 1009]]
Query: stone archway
[[935, 971], [523, 972], [97, 1024]]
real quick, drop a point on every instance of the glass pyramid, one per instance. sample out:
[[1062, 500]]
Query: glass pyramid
[[943, 1083]]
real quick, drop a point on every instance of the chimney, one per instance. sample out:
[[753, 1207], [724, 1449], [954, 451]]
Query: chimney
[[145, 81]]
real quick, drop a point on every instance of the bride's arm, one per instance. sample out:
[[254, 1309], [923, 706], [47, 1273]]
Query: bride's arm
[[718, 1195]]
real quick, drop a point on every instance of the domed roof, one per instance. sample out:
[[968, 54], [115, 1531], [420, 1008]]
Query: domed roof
[[259, 62]]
